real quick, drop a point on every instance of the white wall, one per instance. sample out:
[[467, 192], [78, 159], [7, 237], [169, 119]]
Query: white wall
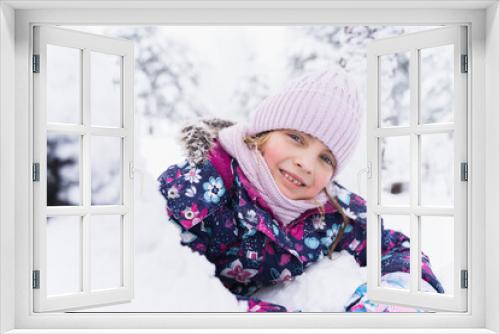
[[7, 166], [492, 148]]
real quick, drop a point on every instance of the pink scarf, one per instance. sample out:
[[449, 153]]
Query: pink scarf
[[257, 171]]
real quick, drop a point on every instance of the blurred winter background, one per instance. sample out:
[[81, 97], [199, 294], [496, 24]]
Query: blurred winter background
[[187, 72]]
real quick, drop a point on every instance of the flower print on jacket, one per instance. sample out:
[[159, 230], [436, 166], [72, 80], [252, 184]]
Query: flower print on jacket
[[318, 222], [285, 275], [349, 213], [248, 221], [173, 192], [331, 233], [193, 175], [192, 215], [297, 231], [251, 216], [344, 195], [312, 242], [237, 272], [256, 305], [191, 191], [214, 189]]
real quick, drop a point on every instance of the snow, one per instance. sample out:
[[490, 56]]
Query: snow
[[325, 286]]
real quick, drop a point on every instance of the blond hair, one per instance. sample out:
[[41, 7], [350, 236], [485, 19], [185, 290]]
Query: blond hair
[[257, 141]]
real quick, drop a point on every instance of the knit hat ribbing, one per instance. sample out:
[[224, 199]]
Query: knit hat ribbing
[[324, 104]]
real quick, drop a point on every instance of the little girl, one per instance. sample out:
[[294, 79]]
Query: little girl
[[260, 201]]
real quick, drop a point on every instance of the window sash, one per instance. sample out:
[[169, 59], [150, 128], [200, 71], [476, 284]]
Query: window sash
[[412, 43], [86, 43]]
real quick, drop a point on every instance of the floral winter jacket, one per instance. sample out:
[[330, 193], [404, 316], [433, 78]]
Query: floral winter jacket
[[222, 217]]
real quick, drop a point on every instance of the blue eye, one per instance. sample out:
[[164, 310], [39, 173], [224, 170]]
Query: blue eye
[[295, 136], [328, 160]]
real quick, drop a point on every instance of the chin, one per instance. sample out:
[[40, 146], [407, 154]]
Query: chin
[[287, 193], [293, 196]]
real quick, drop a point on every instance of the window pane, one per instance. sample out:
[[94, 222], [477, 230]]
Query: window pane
[[436, 240], [395, 170], [105, 88], [63, 169], [437, 169], [436, 87], [63, 255], [106, 160], [105, 245], [63, 84], [394, 225], [394, 89]]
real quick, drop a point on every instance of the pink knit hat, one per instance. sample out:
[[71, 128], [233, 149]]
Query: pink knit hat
[[324, 104]]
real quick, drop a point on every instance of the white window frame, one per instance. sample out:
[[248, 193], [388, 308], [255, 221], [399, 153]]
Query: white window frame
[[16, 20]]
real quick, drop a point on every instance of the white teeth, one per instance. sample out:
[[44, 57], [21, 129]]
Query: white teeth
[[292, 179]]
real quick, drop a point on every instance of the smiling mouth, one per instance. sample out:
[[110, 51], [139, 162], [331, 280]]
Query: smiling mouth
[[291, 179]]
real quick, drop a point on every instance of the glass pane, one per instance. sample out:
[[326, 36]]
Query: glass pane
[[394, 89], [437, 169], [64, 255], [436, 87], [394, 226], [63, 169], [105, 248], [436, 240], [63, 84], [395, 170], [105, 89], [106, 161]]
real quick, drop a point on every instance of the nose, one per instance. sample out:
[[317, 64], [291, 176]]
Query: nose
[[305, 163]]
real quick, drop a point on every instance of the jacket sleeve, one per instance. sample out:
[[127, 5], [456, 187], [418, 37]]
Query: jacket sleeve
[[395, 245], [396, 257], [193, 193], [359, 303]]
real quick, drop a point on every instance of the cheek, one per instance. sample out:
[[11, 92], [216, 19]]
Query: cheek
[[322, 179], [271, 157]]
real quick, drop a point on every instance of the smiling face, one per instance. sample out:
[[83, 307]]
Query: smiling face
[[300, 164]]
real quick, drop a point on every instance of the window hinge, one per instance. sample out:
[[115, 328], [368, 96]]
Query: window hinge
[[464, 168], [464, 279], [36, 63], [465, 64], [36, 279], [36, 172], [369, 170]]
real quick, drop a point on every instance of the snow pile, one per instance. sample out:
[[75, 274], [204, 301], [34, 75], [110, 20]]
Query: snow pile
[[323, 287]]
